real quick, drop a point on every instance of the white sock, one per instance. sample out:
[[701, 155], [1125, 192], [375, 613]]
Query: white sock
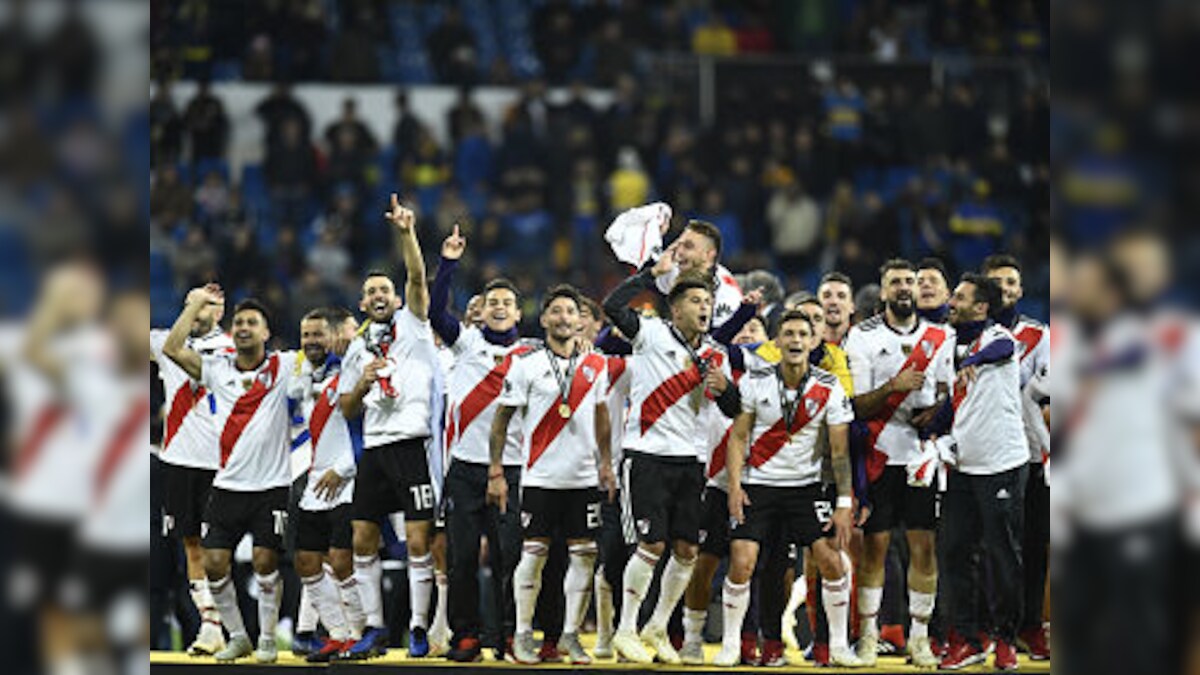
[[225, 598], [577, 584], [835, 595], [270, 591], [736, 598], [368, 570], [420, 589], [920, 608], [527, 583], [797, 595], [604, 607], [324, 595], [869, 599], [352, 606], [441, 624], [203, 599], [693, 625], [639, 572], [306, 621], [675, 579]]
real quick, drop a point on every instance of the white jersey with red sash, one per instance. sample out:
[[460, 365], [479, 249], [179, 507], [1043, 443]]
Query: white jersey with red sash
[[189, 424], [559, 447], [252, 415], [1033, 349], [726, 298], [617, 399], [473, 388], [332, 439], [878, 352], [784, 455], [666, 391], [988, 425], [716, 438]]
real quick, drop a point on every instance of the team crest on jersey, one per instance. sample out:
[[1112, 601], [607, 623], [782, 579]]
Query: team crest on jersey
[[643, 526], [247, 383], [811, 406], [498, 358], [265, 378], [330, 394], [589, 374], [927, 347]]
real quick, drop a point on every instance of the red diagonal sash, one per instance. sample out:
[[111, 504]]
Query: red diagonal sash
[[479, 398], [773, 439], [960, 390], [245, 407], [1029, 337], [321, 412], [667, 394], [919, 358], [48, 419], [552, 423], [717, 462], [182, 403], [120, 445], [616, 368]]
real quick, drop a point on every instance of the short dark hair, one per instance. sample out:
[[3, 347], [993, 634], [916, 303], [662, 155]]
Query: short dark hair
[[932, 263], [253, 304], [999, 261], [337, 314], [760, 319], [896, 264], [708, 230], [794, 315], [986, 290], [837, 277], [501, 284], [321, 313], [686, 282], [592, 306], [561, 291]]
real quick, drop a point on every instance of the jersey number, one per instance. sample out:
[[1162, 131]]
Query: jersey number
[[422, 497], [593, 516], [280, 522], [824, 511]]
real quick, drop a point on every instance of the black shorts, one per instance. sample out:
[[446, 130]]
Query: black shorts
[[799, 514], [714, 522], [187, 494], [894, 502], [322, 530], [394, 478], [103, 578], [229, 515], [41, 561], [662, 497], [570, 514]]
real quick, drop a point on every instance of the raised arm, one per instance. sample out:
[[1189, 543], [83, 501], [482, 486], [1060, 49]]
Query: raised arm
[[733, 325], [51, 313], [444, 323], [175, 346], [616, 305], [416, 292]]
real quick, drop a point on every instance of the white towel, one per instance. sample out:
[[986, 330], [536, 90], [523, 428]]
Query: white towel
[[636, 235]]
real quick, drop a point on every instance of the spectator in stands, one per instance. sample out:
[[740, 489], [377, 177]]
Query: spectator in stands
[[612, 55], [628, 185], [464, 115], [194, 259], [733, 241], [452, 49], [166, 126], [352, 56], [556, 39], [352, 146], [71, 54], [349, 124], [618, 126], [170, 199], [212, 197], [291, 173], [754, 37], [281, 106], [328, 257], [207, 124], [714, 37], [977, 228], [425, 171], [288, 255], [408, 126], [795, 221], [243, 267], [671, 34]]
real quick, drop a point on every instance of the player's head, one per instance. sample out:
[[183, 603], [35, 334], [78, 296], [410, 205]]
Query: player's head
[[560, 313], [933, 284], [754, 332], [379, 300], [343, 326], [691, 300], [975, 298], [591, 318], [698, 247], [316, 336], [898, 284], [501, 308], [794, 337], [209, 316], [836, 293], [1006, 272], [811, 308], [251, 325], [474, 313]]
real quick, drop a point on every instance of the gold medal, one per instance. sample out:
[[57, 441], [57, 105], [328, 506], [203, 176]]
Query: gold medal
[[564, 410]]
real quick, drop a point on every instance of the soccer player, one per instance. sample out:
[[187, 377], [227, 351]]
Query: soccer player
[[698, 249], [1033, 352], [387, 377], [566, 458], [836, 293], [323, 519], [896, 359], [483, 355], [675, 369], [774, 473], [190, 459], [984, 503], [933, 291], [591, 319], [616, 541], [250, 490]]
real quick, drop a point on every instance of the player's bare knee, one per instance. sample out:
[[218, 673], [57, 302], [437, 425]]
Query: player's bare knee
[[216, 564], [828, 561], [685, 550], [342, 562], [655, 547], [266, 561], [417, 536], [366, 538], [308, 563]]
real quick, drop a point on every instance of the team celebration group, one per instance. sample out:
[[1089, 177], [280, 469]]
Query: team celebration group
[[679, 424]]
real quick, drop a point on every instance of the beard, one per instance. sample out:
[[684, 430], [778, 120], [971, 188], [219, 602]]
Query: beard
[[901, 311]]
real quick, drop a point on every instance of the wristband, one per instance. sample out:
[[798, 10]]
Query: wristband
[[845, 502]]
